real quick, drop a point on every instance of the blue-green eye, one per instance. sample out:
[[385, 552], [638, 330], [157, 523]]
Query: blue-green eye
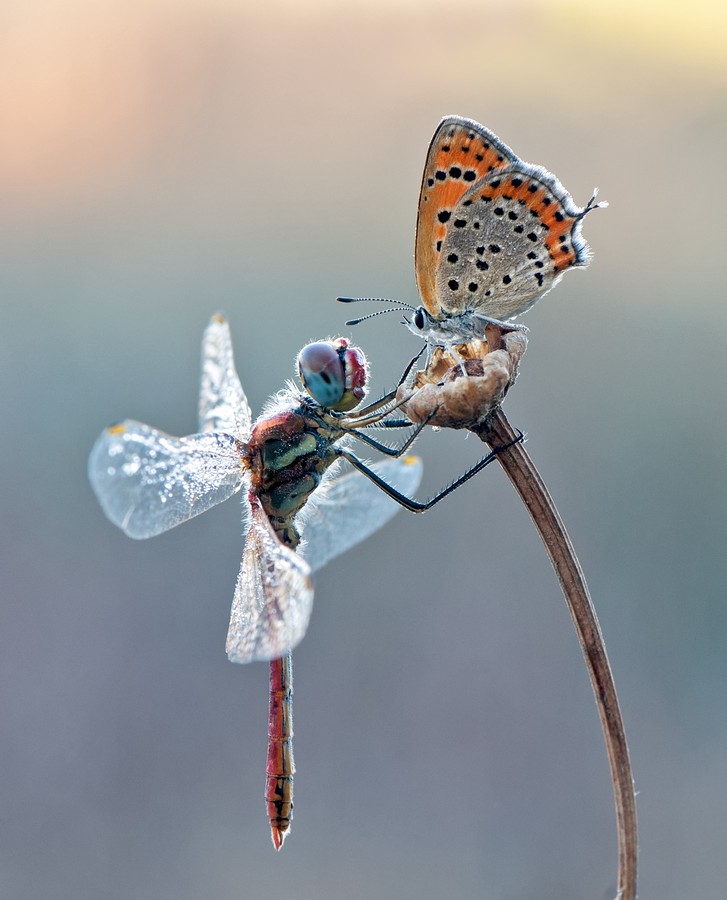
[[321, 372]]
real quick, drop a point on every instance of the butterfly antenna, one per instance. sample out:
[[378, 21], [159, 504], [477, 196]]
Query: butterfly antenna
[[372, 300], [379, 312], [400, 305]]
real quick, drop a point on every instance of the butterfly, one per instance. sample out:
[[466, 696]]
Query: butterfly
[[494, 234]]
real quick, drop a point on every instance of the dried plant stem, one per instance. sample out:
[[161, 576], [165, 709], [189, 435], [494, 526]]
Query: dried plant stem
[[527, 482]]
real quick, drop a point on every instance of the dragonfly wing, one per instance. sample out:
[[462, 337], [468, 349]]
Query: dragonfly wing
[[222, 402], [350, 507], [273, 596], [147, 481]]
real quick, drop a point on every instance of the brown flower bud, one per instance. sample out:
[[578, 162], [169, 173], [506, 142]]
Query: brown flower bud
[[461, 386]]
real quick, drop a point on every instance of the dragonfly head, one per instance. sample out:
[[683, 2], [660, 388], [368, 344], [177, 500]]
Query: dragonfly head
[[334, 373]]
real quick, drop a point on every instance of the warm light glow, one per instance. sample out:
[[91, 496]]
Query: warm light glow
[[88, 90]]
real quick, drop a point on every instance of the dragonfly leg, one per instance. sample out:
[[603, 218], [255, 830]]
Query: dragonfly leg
[[391, 423], [393, 451], [389, 396], [373, 407], [363, 421], [417, 505], [409, 366]]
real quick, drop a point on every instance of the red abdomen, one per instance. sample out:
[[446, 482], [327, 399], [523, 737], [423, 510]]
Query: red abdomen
[[280, 765]]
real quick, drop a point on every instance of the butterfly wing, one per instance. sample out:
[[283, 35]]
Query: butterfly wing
[[273, 596], [462, 153], [147, 481], [509, 241], [349, 507], [222, 402]]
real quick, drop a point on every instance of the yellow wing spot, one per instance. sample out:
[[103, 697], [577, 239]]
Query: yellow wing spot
[[219, 318], [119, 428], [411, 460]]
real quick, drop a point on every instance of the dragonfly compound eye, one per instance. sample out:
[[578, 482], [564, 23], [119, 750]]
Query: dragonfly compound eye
[[322, 373]]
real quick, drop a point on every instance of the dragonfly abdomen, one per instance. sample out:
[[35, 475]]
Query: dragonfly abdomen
[[280, 764]]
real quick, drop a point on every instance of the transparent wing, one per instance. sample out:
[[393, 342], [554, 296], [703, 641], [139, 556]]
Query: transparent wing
[[147, 481], [273, 596], [222, 402], [349, 508]]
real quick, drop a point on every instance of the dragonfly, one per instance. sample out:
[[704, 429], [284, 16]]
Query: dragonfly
[[300, 510]]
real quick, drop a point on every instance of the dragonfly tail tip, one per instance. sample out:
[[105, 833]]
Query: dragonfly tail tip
[[278, 836]]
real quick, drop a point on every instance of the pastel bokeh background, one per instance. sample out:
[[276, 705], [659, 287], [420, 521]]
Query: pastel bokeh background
[[162, 160]]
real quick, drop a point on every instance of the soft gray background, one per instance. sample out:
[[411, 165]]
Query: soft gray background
[[160, 161]]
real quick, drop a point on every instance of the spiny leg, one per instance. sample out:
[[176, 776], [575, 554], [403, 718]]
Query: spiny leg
[[394, 451], [391, 423], [416, 505], [390, 395]]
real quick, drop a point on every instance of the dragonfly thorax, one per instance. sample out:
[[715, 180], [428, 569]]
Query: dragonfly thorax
[[288, 454]]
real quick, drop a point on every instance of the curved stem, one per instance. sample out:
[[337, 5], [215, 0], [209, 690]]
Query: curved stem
[[526, 480]]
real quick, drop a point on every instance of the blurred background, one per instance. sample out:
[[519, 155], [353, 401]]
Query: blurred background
[[166, 159]]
